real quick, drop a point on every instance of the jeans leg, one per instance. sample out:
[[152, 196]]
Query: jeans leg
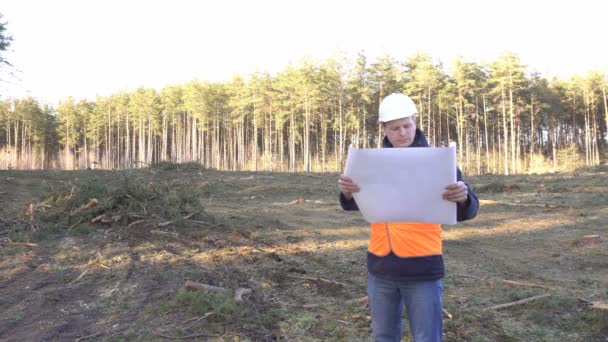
[[424, 305], [386, 309]]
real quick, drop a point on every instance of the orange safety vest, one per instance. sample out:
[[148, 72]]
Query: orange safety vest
[[405, 239]]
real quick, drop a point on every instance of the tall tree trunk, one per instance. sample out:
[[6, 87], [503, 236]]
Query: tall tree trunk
[[281, 133], [164, 137], [430, 127], [67, 141], [518, 155], [336, 161], [341, 132], [477, 136], [364, 126], [23, 159], [574, 128], [439, 123], [9, 147], [129, 160], [513, 135], [459, 127], [306, 149], [108, 140], [324, 142], [485, 125], [195, 141], [216, 143], [532, 127], [292, 143], [86, 153], [119, 151], [149, 159], [270, 145], [140, 148], [587, 132], [447, 126], [254, 146], [505, 133], [605, 107], [596, 153]]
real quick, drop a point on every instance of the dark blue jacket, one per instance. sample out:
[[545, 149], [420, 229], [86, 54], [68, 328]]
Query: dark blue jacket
[[416, 268]]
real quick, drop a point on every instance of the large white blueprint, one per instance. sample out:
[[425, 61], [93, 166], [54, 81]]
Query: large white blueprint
[[403, 184]]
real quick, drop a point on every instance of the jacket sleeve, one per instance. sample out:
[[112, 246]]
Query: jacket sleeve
[[348, 205], [469, 210]]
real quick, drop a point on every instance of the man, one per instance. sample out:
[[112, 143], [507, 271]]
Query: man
[[404, 259]]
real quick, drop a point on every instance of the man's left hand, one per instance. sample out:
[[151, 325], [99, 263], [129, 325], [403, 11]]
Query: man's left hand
[[457, 193]]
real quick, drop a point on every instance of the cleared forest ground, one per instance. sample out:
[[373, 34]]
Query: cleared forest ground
[[115, 269]]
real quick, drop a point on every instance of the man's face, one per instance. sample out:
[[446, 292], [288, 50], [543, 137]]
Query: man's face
[[400, 132]]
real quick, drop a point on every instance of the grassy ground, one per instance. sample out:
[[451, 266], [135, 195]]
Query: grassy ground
[[116, 270]]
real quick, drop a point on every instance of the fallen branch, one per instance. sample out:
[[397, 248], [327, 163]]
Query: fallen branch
[[586, 302], [110, 219], [320, 279], [79, 277], [299, 201], [199, 222], [135, 222], [196, 319], [163, 233], [7, 241], [136, 215], [239, 293], [600, 305], [97, 218], [91, 204], [596, 305], [171, 222], [522, 301], [200, 286], [31, 212], [446, 313], [103, 266], [358, 300], [310, 306], [517, 283], [87, 337], [468, 276], [184, 337]]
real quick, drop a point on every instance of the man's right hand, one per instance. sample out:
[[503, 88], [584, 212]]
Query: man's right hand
[[347, 186]]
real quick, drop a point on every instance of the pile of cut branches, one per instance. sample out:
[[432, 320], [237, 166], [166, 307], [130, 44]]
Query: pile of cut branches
[[127, 202]]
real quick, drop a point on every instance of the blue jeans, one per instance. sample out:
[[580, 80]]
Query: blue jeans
[[422, 300]]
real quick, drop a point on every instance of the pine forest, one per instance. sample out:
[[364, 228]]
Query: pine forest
[[504, 119]]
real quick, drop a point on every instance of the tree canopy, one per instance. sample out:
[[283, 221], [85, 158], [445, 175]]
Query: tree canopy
[[5, 41]]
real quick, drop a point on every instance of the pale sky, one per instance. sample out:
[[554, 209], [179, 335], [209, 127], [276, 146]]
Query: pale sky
[[83, 48]]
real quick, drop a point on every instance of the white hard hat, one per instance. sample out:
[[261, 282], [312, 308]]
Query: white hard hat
[[396, 106]]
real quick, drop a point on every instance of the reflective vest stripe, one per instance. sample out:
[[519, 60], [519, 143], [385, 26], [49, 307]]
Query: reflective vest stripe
[[405, 239]]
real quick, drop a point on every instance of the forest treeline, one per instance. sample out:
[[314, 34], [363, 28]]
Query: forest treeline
[[504, 118]]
